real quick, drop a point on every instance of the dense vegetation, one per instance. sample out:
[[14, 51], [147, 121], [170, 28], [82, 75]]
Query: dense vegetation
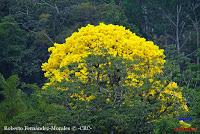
[[29, 27]]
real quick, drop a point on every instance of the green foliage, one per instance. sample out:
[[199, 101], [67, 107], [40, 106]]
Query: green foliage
[[101, 118], [13, 42], [116, 108], [179, 68], [174, 61], [12, 103], [193, 98], [166, 125]]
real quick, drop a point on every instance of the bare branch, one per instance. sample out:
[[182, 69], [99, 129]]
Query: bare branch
[[182, 27], [21, 12], [42, 33], [47, 3], [48, 37], [167, 16], [179, 9], [195, 6], [55, 6], [185, 41], [190, 53]]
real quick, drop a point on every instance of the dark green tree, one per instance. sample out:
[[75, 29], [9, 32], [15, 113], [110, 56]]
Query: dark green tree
[[13, 43]]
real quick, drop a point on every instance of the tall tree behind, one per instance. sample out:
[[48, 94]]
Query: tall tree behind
[[13, 43]]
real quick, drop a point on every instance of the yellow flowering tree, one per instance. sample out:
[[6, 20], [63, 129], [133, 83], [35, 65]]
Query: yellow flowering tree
[[112, 61]]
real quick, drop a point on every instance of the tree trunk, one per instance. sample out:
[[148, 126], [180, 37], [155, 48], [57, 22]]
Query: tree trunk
[[197, 30], [177, 28]]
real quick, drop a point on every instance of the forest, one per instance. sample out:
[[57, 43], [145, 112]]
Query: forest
[[100, 66]]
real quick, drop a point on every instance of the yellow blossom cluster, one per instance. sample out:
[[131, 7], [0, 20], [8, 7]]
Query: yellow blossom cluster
[[147, 58], [116, 40], [175, 95], [82, 97], [169, 94]]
